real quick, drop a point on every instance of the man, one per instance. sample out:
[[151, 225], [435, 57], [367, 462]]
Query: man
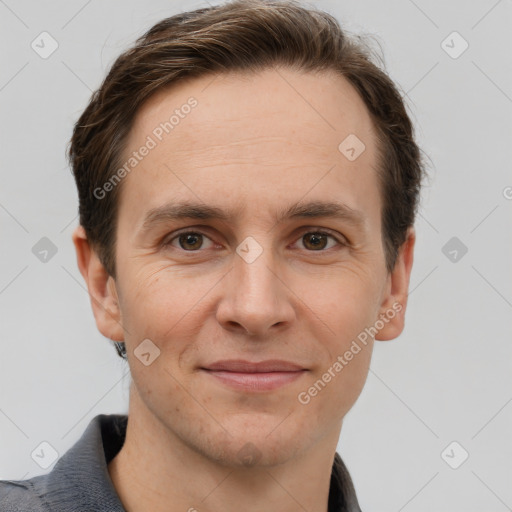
[[248, 182]]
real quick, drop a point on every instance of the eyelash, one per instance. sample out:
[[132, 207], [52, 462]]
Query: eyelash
[[167, 242]]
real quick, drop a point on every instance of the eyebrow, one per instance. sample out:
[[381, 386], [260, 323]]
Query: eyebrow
[[187, 210]]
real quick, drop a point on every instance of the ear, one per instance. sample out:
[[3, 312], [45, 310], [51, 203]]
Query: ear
[[394, 303], [101, 286]]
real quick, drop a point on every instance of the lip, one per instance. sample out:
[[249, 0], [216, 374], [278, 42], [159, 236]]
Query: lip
[[260, 381], [251, 376], [242, 366]]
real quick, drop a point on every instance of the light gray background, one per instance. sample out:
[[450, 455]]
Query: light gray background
[[447, 378]]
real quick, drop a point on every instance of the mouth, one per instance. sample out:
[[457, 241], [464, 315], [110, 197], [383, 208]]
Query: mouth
[[250, 376]]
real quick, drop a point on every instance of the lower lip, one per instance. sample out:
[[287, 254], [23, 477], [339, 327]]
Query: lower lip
[[255, 381]]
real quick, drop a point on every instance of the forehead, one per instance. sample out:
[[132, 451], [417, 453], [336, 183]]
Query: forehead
[[304, 107], [277, 128]]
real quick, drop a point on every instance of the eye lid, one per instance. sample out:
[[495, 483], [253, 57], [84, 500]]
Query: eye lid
[[342, 239]]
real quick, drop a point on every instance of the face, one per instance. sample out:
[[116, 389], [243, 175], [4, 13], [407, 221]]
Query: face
[[261, 269]]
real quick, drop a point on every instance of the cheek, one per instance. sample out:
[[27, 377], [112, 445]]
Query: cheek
[[159, 307], [167, 308], [156, 299], [345, 302], [346, 309], [334, 390]]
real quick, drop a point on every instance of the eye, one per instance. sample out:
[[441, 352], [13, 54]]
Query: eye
[[193, 241], [188, 241], [318, 240]]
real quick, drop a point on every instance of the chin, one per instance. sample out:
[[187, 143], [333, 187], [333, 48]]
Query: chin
[[262, 454], [265, 443]]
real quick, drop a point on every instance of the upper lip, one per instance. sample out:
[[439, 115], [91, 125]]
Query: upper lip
[[242, 366]]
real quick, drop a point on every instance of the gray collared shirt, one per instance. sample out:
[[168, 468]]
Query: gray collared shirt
[[80, 480]]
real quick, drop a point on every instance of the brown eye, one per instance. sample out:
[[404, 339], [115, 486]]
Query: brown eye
[[190, 241], [315, 241], [318, 240]]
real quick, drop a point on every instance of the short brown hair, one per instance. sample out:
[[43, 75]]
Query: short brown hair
[[242, 35]]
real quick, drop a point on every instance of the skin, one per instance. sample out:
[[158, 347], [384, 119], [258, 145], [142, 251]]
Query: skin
[[254, 144]]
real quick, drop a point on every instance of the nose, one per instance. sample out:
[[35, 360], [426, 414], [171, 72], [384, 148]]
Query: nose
[[256, 300]]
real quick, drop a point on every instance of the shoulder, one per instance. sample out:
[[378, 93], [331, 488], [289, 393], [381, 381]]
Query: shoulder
[[20, 496], [79, 480]]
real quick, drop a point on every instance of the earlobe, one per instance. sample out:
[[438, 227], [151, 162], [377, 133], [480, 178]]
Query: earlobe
[[101, 287], [392, 312]]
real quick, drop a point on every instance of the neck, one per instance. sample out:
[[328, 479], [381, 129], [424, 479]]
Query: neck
[[155, 470]]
